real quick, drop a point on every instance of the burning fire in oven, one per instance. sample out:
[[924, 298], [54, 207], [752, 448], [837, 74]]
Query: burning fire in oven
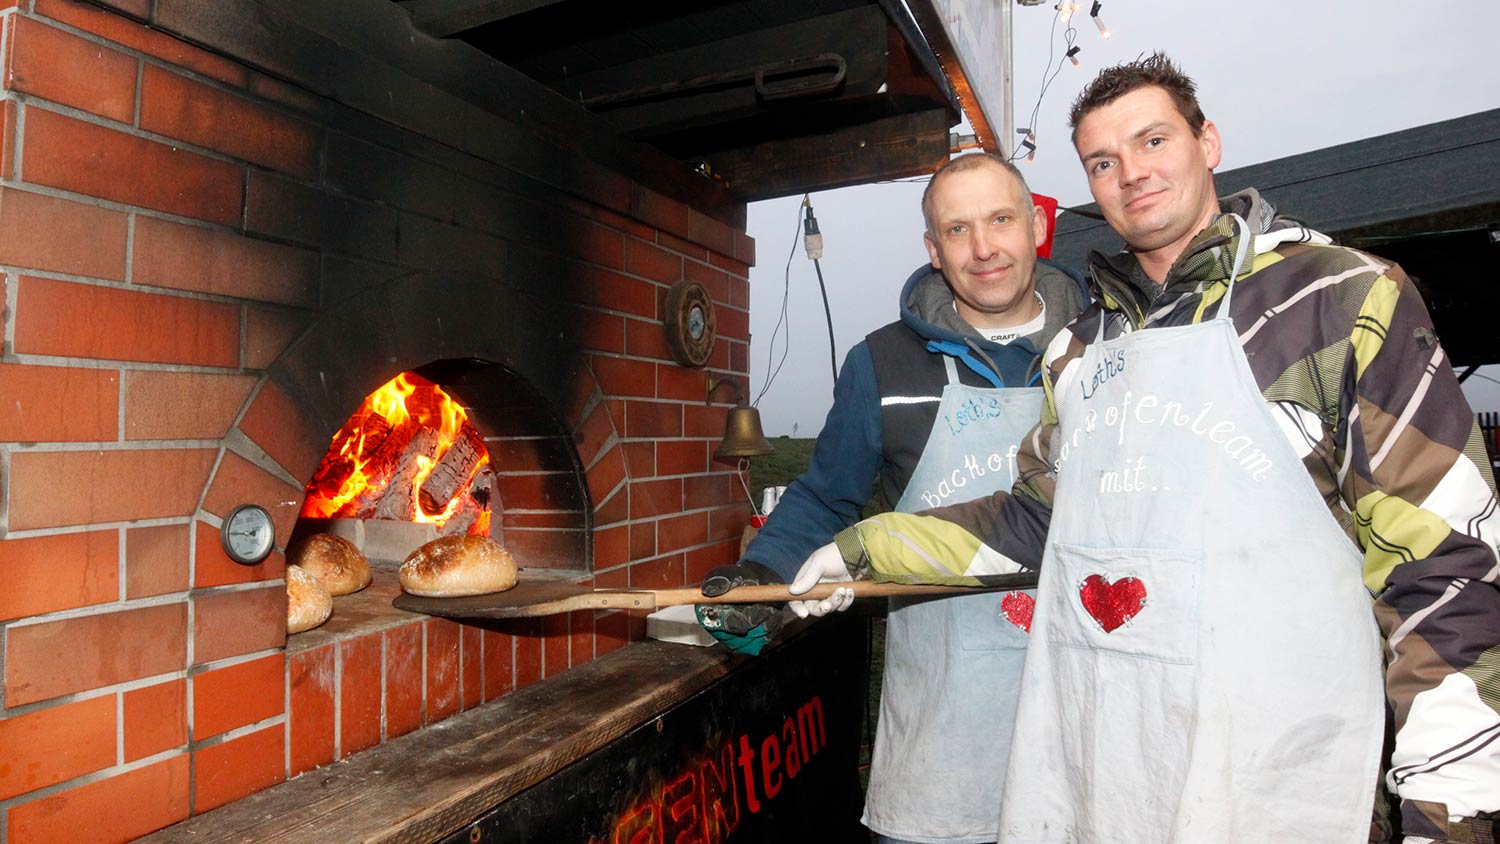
[[410, 454]]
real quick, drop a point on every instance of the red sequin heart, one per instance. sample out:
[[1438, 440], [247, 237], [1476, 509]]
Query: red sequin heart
[[1112, 604], [1017, 608]]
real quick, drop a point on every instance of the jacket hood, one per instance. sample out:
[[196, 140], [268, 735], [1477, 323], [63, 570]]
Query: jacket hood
[[927, 307]]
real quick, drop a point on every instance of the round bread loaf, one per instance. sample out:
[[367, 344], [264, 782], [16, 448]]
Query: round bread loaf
[[308, 603], [451, 566], [333, 560]]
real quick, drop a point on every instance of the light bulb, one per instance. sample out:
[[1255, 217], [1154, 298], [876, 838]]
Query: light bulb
[[1066, 9], [1073, 56], [1103, 30]]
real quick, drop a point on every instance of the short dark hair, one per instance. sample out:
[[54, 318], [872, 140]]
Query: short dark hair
[[969, 161], [1156, 70]]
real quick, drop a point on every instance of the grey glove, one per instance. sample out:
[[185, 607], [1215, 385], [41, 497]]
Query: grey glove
[[743, 628]]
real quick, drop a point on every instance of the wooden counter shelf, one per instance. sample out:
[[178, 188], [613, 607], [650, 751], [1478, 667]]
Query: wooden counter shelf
[[370, 610], [423, 786]]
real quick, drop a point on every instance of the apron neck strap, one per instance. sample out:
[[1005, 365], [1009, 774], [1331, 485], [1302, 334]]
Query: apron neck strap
[[1239, 260], [951, 368], [1241, 252]]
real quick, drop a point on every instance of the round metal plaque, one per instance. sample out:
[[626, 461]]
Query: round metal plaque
[[690, 323]]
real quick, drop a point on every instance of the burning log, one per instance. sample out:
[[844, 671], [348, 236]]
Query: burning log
[[340, 478], [377, 471], [474, 508], [398, 500], [460, 522], [408, 454], [452, 472], [492, 516], [483, 488], [360, 439]]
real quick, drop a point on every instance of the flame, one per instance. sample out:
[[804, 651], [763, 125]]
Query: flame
[[346, 481]]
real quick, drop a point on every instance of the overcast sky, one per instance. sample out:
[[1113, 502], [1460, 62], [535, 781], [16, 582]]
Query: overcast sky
[[1278, 77]]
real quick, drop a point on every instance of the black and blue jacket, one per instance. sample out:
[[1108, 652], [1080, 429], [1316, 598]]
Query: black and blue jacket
[[867, 450]]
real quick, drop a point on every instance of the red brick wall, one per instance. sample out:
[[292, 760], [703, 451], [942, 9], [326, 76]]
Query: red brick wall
[[203, 269]]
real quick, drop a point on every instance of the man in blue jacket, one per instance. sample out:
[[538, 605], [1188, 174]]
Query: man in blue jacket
[[931, 409]]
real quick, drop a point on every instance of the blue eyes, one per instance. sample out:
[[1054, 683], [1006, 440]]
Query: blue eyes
[[1151, 143], [958, 230]]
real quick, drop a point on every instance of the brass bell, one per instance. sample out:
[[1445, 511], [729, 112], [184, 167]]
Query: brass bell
[[743, 435]]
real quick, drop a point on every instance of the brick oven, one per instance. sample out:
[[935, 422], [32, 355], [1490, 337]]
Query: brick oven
[[222, 225], [206, 269]]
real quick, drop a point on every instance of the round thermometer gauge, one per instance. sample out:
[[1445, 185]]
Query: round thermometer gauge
[[247, 534]]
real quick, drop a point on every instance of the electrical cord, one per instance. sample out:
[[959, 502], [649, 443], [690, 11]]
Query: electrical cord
[[781, 319], [833, 365], [813, 240]]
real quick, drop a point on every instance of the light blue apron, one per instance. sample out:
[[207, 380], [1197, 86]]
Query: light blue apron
[[953, 665], [1204, 664]]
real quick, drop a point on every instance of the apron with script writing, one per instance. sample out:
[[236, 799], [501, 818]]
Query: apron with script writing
[[1204, 663], [953, 665]]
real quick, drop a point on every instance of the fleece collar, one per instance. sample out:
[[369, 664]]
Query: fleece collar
[[1118, 281], [927, 309]]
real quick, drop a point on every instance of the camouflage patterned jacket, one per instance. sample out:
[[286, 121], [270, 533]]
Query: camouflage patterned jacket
[[1341, 345]]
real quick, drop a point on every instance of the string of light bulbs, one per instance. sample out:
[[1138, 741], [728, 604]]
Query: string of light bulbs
[[1068, 7], [1064, 14]]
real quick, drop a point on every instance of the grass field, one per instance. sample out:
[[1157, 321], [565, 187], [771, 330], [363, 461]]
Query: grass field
[[781, 468], [790, 460]]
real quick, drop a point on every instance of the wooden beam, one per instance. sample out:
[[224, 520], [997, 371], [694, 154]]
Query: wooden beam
[[930, 20], [926, 70], [857, 35], [893, 147], [446, 18]]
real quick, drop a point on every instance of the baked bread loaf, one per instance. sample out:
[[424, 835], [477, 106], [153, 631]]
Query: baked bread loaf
[[451, 566], [333, 560], [308, 603]]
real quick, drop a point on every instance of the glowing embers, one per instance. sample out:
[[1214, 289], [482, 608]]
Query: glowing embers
[[408, 454]]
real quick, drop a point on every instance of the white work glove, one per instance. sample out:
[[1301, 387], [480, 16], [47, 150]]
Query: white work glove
[[826, 565]]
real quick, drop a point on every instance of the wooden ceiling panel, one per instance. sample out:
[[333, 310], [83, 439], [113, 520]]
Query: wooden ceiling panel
[[782, 95], [632, 97], [444, 18], [889, 148]]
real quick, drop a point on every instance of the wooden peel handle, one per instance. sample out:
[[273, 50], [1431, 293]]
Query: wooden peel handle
[[862, 589]]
